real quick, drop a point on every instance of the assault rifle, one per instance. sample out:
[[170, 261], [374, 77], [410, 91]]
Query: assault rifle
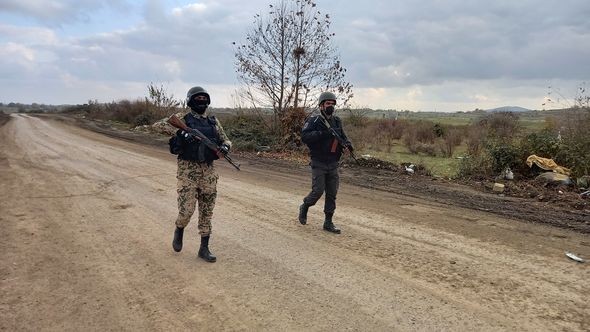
[[176, 122], [338, 138]]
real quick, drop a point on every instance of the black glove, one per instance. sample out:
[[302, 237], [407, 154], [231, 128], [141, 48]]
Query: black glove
[[348, 145], [186, 137], [224, 148]]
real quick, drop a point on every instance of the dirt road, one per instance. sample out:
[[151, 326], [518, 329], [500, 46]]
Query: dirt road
[[86, 226]]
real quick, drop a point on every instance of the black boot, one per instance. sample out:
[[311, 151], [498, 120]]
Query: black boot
[[329, 225], [303, 213], [204, 252], [177, 242]]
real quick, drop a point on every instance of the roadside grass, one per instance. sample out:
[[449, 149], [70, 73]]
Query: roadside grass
[[438, 166]]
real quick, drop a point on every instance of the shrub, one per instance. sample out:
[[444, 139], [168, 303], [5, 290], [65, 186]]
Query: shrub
[[292, 121], [142, 120], [387, 131], [249, 131], [475, 140], [475, 167], [544, 144], [419, 137], [357, 117], [500, 125], [362, 137], [504, 155], [424, 131], [492, 145], [574, 151], [452, 138]]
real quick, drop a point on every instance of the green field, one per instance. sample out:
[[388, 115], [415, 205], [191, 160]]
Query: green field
[[438, 166], [532, 121]]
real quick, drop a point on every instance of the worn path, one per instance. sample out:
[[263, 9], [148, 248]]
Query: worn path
[[86, 225]]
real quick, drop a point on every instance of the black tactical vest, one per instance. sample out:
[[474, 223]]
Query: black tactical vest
[[327, 149], [198, 151]]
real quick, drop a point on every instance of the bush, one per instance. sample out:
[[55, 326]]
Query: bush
[[357, 117], [492, 145], [142, 120], [475, 167], [574, 152], [475, 140], [424, 131], [292, 121], [387, 131], [504, 155], [249, 131], [452, 138], [544, 144], [420, 137], [428, 149], [500, 126]]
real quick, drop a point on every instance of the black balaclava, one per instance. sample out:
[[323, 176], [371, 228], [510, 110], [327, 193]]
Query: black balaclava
[[329, 110], [198, 106]]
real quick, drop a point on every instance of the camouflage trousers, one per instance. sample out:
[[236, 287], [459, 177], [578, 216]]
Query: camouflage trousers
[[196, 183]]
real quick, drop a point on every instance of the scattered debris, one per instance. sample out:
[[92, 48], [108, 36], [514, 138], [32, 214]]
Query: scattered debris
[[505, 175], [498, 188], [574, 257], [547, 164], [508, 175], [554, 178], [143, 128], [585, 194]]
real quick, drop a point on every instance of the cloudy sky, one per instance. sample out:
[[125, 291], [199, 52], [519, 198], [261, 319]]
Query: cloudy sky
[[429, 55]]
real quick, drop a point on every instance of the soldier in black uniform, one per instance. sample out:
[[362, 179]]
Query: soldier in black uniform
[[325, 151]]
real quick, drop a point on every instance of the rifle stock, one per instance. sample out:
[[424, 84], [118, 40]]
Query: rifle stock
[[177, 123]]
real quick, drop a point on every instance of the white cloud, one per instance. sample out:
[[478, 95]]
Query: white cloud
[[17, 52], [443, 55], [173, 67], [28, 35], [414, 93], [191, 8], [480, 98], [391, 73], [58, 12]]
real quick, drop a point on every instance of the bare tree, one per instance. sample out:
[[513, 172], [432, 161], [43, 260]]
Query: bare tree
[[288, 58]]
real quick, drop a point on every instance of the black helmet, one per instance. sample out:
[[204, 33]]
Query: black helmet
[[197, 90], [326, 96]]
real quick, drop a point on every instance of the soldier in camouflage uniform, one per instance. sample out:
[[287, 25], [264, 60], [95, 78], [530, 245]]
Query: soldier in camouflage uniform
[[197, 178]]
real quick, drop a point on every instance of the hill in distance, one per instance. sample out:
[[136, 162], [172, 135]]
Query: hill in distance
[[514, 109]]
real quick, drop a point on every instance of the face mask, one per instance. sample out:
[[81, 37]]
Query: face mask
[[329, 110], [199, 106]]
